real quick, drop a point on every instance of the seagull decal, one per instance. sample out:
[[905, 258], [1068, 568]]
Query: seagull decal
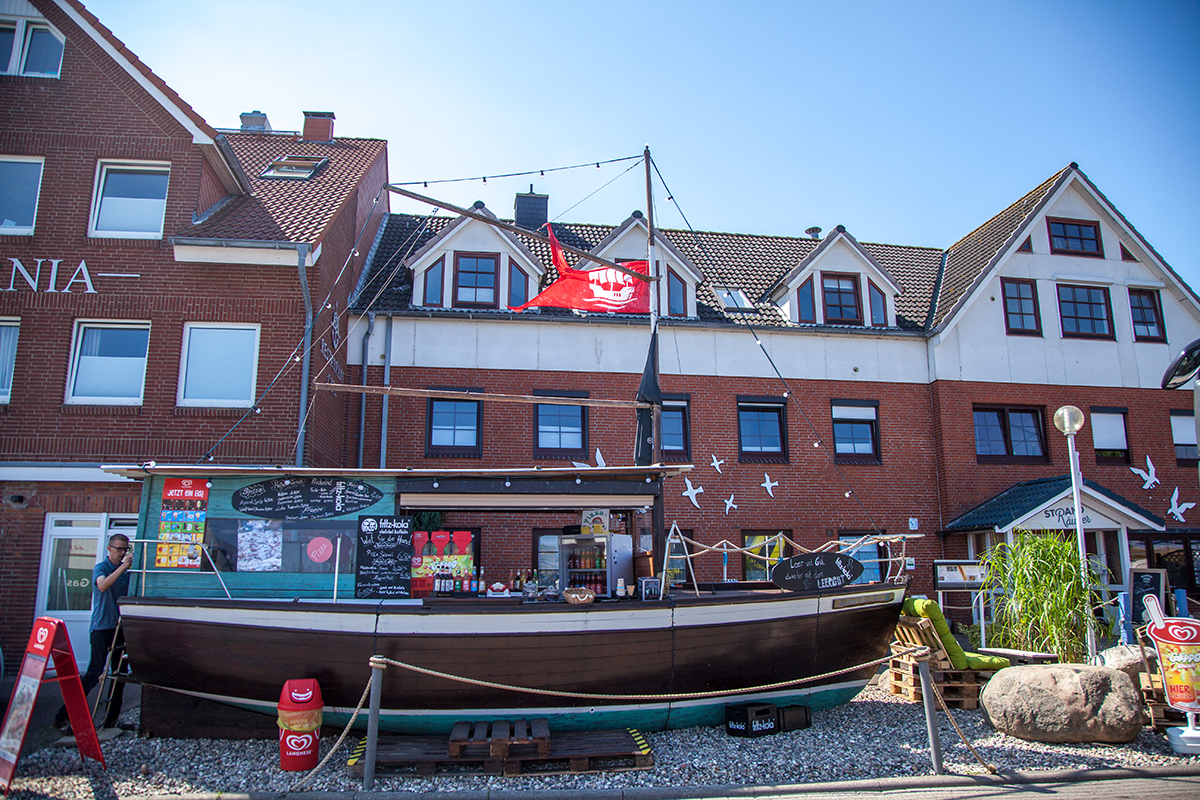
[[600, 459], [1178, 509], [729, 504], [716, 464], [692, 491], [769, 484], [1148, 475]]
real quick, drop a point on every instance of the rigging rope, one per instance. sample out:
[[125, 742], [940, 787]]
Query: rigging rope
[[484, 178]]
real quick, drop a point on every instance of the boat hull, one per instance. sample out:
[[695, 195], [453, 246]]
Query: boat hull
[[653, 666]]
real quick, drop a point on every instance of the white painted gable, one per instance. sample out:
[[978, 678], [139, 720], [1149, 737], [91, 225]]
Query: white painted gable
[[629, 241], [838, 253]]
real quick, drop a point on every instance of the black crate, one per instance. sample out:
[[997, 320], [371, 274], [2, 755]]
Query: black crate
[[793, 718], [751, 719]]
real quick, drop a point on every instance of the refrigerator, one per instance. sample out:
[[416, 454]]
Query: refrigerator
[[596, 561]]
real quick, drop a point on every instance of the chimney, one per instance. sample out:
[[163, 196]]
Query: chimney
[[255, 122], [813, 233], [318, 126], [530, 211]]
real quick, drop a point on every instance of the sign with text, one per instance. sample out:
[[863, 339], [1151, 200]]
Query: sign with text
[[47, 641], [305, 498], [958, 576], [1061, 516], [181, 523], [384, 558], [811, 572]]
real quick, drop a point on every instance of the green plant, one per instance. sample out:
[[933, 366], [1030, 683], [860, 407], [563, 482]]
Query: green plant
[[1042, 601]]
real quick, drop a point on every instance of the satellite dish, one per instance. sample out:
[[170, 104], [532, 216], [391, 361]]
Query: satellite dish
[[1183, 368]]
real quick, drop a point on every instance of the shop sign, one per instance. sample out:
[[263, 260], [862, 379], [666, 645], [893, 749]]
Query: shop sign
[[305, 498], [810, 572], [383, 566], [1061, 516], [182, 522]]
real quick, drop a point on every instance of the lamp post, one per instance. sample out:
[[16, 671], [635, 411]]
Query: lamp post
[[1069, 420]]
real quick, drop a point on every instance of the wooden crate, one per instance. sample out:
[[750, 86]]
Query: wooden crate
[[570, 752], [1162, 716]]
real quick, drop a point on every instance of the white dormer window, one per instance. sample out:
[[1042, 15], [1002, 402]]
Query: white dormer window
[[29, 47], [841, 298], [676, 295], [733, 299], [878, 301]]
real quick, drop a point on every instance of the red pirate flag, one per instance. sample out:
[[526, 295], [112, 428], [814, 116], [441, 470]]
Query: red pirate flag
[[603, 289]]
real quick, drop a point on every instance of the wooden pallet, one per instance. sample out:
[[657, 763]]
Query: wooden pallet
[[959, 688], [498, 736], [570, 752], [1162, 716]]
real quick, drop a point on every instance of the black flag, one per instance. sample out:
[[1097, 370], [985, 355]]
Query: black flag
[[648, 392]]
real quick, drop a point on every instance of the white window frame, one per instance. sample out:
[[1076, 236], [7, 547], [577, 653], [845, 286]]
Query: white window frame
[[22, 36], [22, 230], [102, 169], [15, 323], [1110, 431], [77, 344], [185, 350]]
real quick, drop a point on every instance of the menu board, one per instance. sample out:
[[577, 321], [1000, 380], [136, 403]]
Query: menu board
[[181, 523], [304, 498], [811, 572], [383, 567], [1143, 582]]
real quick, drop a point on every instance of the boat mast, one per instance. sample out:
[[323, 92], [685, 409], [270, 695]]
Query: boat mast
[[658, 519]]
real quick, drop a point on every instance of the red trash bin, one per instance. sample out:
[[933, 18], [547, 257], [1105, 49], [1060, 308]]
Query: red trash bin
[[299, 724]]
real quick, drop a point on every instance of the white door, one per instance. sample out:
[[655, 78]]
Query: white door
[[71, 547]]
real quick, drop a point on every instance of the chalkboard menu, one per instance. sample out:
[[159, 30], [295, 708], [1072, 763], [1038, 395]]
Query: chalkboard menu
[[305, 498], [1145, 582], [810, 572], [385, 551]]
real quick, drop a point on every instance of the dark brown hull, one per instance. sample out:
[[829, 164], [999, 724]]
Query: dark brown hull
[[640, 657]]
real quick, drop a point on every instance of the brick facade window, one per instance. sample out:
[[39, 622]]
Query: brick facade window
[[130, 200], [20, 185], [8, 357], [29, 48], [108, 363], [560, 431], [219, 366], [1075, 237], [1146, 307], [1110, 435], [453, 428], [1015, 435], [1183, 433], [755, 569], [856, 431], [676, 429], [1021, 315], [1086, 312], [762, 429]]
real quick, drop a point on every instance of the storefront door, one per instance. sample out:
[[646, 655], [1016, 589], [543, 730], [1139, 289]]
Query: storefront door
[[71, 547]]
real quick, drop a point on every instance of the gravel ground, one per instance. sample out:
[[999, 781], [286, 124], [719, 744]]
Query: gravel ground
[[874, 736]]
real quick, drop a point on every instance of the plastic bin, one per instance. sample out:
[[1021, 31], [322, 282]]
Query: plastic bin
[[299, 724], [751, 720]]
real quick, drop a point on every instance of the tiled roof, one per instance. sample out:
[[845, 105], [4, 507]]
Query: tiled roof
[[1018, 500], [752, 263], [968, 259], [284, 209]]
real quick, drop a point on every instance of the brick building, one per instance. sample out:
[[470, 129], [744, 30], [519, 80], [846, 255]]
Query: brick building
[[157, 278], [897, 388]]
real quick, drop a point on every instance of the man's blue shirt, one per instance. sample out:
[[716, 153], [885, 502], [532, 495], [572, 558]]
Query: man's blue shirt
[[104, 604]]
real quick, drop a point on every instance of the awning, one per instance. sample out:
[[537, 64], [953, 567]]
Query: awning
[[1046, 504]]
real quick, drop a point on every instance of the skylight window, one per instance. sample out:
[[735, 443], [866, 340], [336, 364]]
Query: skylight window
[[733, 299], [294, 167]]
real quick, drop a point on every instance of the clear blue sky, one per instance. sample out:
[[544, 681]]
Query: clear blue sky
[[907, 122]]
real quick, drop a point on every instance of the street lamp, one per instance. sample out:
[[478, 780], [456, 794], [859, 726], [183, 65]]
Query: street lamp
[[1069, 420]]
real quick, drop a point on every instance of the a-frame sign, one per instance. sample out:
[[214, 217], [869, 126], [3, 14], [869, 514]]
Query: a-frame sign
[[47, 641]]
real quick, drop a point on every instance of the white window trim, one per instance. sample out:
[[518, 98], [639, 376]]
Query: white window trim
[[20, 50], [188, 327], [77, 344], [22, 230], [102, 168], [11, 322], [1109, 431]]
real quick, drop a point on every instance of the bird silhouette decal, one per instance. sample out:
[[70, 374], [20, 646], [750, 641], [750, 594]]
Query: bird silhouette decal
[[1148, 475], [729, 504], [769, 484], [1178, 509], [692, 491], [716, 463]]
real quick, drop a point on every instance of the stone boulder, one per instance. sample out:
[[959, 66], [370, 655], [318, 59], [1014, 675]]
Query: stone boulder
[[1127, 659], [1063, 703]]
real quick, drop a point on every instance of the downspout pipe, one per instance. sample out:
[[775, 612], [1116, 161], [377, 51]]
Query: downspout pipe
[[387, 381], [302, 251], [362, 399]]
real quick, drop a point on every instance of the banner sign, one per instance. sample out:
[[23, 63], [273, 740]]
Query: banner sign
[[810, 572], [48, 640]]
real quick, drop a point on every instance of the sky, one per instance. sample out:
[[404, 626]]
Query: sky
[[907, 122]]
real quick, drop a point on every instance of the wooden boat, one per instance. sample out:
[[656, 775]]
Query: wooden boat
[[600, 656]]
